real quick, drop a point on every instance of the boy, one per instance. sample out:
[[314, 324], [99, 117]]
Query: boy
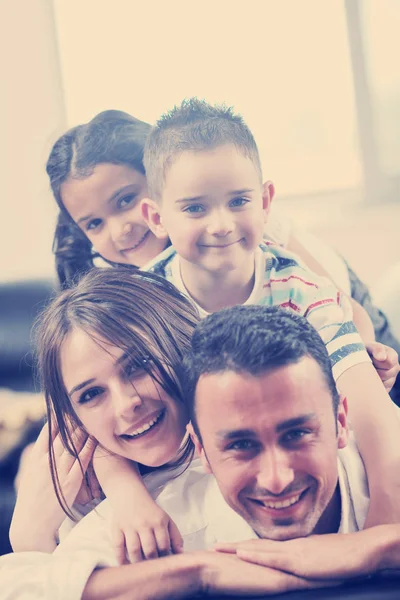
[[205, 183]]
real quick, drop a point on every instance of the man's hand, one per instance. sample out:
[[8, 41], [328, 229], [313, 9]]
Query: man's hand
[[385, 361], [324, 557], [229, 575]]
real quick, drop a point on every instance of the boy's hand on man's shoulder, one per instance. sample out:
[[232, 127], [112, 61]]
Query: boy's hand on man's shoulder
[[385, 361]]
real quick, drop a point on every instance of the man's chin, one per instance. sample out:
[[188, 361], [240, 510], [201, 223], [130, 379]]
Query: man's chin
[[281, 533]]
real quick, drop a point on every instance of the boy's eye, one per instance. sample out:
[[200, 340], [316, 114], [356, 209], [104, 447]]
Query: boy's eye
[[194, 209], [93, 224], [89, 395], [238, 202], [126, 201]]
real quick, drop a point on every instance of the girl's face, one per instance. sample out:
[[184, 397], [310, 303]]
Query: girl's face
[[106, 206], [120, 405]]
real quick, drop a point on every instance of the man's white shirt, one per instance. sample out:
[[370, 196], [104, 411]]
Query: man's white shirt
[[192, 500]]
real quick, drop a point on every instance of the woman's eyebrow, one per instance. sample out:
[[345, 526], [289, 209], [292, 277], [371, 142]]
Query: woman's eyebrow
[[80, 386]]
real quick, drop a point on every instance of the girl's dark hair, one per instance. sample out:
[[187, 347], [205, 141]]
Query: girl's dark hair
[[140, 313], [112, 137]]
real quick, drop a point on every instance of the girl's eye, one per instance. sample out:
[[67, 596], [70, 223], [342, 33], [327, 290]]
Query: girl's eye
[[126, 201], [238, 202], [194, 209], [89, 395], [93, 224]]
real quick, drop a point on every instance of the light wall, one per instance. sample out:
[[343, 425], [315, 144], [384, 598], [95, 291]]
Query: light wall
[[283, 64], [32, 116]]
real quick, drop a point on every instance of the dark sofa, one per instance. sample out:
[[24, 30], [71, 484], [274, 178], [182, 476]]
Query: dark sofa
[[20, 420]]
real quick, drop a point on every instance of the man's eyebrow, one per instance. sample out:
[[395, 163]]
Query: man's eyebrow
[[233, 434], [80, 386], [295, 422]]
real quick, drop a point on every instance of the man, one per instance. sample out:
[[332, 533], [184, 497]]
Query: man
[[268, 423]]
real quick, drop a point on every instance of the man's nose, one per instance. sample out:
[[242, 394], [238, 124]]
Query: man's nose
[[275, 471], [125, 399], [220, 223]]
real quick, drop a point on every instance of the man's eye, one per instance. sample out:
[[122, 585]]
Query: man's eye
[[194, 209], [89, 395], [93, 224], [126, 201], [238, 202], [295, 436], [242, 445]]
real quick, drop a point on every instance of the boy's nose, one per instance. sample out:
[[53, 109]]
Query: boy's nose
[[220, 224]]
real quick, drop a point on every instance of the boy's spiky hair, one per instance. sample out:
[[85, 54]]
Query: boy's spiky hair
[[195, 125]]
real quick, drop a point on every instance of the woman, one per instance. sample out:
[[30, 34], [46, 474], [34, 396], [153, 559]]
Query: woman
[[108, 353]]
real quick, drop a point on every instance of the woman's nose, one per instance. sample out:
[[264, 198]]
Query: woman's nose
[[126, 399]]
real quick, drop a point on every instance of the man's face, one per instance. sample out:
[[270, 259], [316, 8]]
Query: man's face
[[271, 442], [213, 208]]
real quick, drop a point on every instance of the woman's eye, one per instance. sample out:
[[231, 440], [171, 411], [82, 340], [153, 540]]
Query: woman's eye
[[238, 202], [194, 209], [89, 395], [93, 224], [126, 201], [135, 369]]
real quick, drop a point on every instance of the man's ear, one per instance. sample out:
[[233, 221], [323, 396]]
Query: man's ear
[[267, 196], [151, 214], [342, 422], [199, 448]]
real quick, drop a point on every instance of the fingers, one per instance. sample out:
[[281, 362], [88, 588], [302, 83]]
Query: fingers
[[118, 543], [149, 543], [175, 538]]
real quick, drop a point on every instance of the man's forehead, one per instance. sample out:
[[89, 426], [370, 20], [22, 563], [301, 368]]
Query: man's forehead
[[287, 392]]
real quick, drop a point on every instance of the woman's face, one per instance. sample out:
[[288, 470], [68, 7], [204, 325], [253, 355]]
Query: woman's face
[[106, 206], [122, 407]]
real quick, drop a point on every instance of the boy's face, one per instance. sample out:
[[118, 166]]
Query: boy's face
[[213, 208]]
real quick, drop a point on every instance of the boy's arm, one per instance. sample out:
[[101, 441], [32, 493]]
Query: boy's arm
[[141, 528], [384, 358], [376, 425]]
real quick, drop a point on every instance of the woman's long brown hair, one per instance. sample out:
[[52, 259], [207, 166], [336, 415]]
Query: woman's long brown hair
[[140, 313]]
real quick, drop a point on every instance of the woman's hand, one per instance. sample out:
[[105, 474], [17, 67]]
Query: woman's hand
[[144, 533], [38, 514]]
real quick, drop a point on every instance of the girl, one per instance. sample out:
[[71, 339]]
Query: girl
[[108, 353]]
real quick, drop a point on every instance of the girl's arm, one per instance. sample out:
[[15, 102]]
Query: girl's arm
[[142, 529]]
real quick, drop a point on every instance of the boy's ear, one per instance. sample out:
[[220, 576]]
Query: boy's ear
[[199, 448], [151, 214], [342, 422], [268, 196]]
